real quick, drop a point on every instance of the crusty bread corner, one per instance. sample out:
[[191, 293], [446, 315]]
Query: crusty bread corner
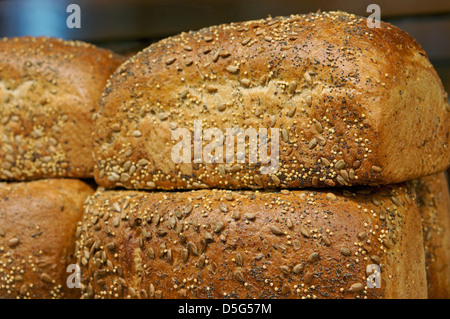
[[49, 91], [251, 244], [38, 221], [353, 105], [434, 202]]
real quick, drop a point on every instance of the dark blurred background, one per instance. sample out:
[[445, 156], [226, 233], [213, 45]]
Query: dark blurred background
[[127, 26]]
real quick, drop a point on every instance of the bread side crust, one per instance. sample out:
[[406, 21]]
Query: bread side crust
[[434, 202]]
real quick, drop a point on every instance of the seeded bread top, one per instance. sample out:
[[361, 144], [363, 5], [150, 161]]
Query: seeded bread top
[[236, 244], [353, 105], [49, 90]]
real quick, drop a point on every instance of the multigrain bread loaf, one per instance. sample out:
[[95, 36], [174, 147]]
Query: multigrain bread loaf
[[251, 244], [38, 220], [350, 105], [49, 91], [434, 202]]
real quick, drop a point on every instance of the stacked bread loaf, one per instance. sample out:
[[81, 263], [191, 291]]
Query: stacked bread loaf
[[289, 157], [49, 91]]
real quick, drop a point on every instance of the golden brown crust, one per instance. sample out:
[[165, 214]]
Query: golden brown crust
[[49, 91], [434, 202], [243, 244], [38, 220], [353, 105]]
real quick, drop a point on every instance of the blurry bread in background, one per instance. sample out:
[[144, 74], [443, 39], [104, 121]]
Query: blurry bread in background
[[49, 91], [38, 222], [434, 201]]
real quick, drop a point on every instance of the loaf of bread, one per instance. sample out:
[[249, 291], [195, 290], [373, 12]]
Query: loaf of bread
[[38, 220], [434, 202], [344, 103], [49, 91], [252, 244]]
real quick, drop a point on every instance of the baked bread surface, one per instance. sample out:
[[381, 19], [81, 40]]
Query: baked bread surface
[[38, 220], [352, 105], [243, 244], [434, 202], [49, 91]]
